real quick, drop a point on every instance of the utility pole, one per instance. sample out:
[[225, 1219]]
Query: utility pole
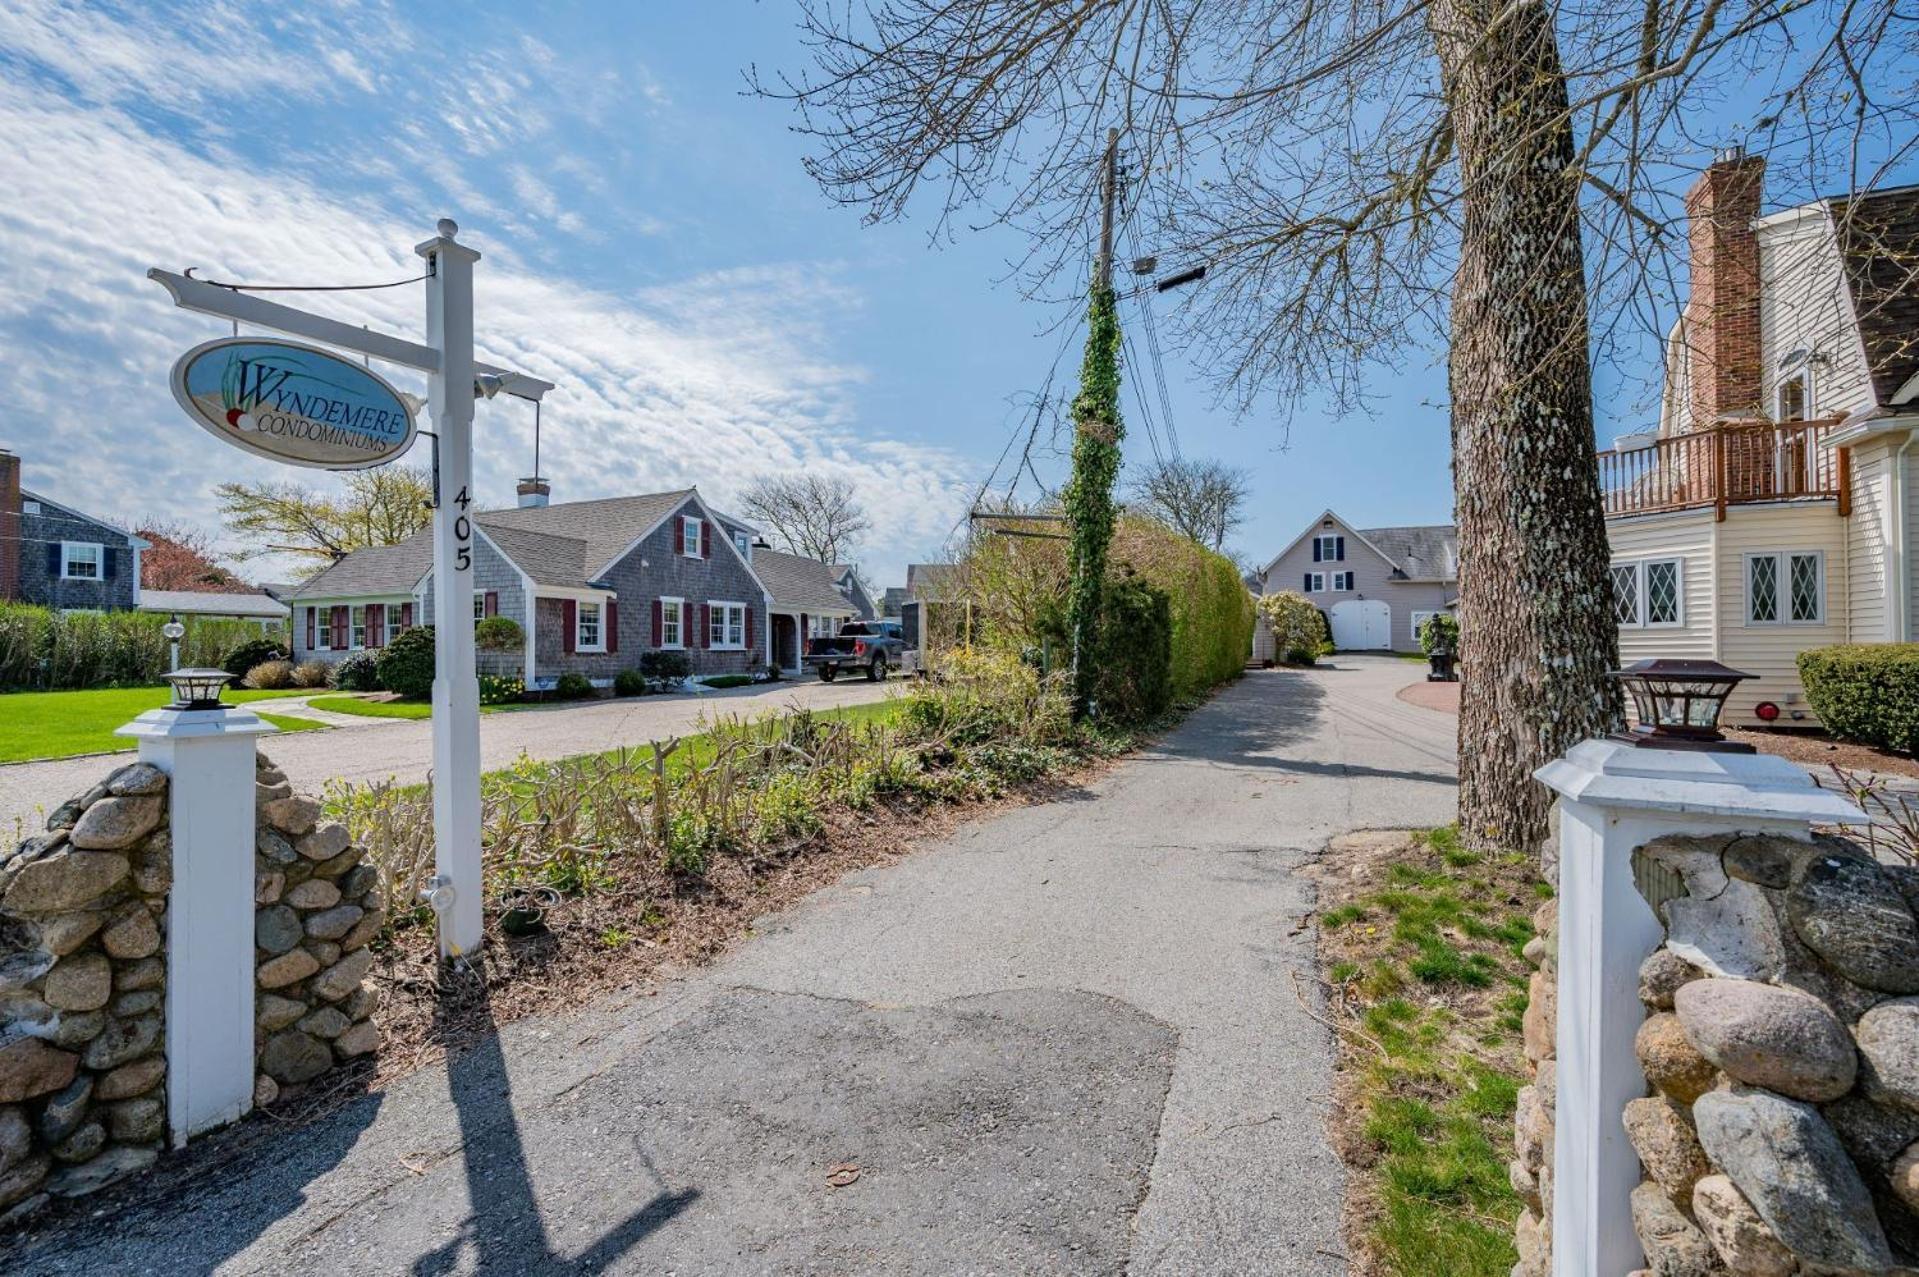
[[1096, 436]]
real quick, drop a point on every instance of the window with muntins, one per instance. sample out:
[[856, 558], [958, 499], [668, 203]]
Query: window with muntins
[[358, 639], [1342, 580], [479, 605], [690, 536], [727, 625], [588, 635], [1648, 594], [1786, 588], [1794, 398], [1315, 583], [744, 544], [80, 560], [1329, 547]]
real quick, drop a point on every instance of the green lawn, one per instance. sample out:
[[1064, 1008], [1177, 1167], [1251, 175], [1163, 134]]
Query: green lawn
[[61, 724], [386, 709]]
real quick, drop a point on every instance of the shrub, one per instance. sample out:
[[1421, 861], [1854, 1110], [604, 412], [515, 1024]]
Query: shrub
[[1299, 629], [977, 695], [1440, 633], [359, 672], [630, 683], [727, 680], [312, 674], [662, 664], [500, 689], [405, 666], [499, 634], [1867, 692], [270, 675], [1133, 654], [572, 687], [242, 659]]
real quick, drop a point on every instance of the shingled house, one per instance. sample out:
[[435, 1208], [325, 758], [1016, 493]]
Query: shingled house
[[593, 585], [57, 556]]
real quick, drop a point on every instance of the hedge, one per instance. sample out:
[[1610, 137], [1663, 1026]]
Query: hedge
[[48, 651], [1132, 678], [1866, 692]]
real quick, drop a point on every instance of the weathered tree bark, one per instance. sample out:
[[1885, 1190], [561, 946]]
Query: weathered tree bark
[[1535, 601]]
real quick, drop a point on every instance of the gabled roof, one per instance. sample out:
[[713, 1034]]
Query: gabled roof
[[28, 494], [607, 526], [799, 584], [1878, 237], [377, 569], [548, 559], [1424, 552]]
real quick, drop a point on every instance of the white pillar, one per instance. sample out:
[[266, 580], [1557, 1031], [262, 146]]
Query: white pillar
[[1615, 798], [456, 692], [209, 754]]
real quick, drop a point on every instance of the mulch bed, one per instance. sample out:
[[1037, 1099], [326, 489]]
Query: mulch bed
[[1816, 751]]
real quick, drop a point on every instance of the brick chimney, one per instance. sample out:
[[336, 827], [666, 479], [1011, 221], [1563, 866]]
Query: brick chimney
[[1722, 313], [10, 526]]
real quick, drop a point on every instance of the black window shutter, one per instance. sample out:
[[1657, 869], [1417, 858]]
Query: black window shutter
[[1339, 548], [53, 559], [1307, 585], [1316, 549], [109, 563]]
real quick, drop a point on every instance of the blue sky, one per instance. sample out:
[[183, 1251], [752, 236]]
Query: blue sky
[[651, 245]]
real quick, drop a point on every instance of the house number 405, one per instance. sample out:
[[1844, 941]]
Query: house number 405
[[462, 534]]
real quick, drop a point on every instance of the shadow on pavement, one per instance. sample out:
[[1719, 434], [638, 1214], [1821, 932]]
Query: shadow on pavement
[[505, 1231]]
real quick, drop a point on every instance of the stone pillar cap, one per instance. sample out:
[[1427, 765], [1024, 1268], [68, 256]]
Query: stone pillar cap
[[1608, 773], [167, 723]]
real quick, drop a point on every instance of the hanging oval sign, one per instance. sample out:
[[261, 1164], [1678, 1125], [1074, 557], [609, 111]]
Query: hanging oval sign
[[294, 403]]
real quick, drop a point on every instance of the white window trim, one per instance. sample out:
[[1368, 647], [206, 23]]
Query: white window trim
[[1782, 567], [99, 560], [1801, 374], [1642, 597], [679, 644], [479, 606], [716, 607], [1347, 588], [690, 545], [744, 544], [356, 627], [579, 622], [1315, 583], [1330, 547]]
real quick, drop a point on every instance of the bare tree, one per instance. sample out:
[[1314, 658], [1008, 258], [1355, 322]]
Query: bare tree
[[1204, 499], [1363, 178], [812, 515]]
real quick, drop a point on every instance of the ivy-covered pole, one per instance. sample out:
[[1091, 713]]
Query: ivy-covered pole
[[1097, 430]]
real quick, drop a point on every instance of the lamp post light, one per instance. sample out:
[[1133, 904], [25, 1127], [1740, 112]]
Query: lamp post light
[[1678, 705], [197, 688], [174, 632]]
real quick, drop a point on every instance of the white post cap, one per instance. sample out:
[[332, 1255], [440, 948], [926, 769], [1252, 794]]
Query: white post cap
[[1613, 774]]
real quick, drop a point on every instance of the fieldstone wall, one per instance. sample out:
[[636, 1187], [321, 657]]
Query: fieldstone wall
[[82, 994], [1780, 1137], [1531, 1170], [83, 976], [317, 908]]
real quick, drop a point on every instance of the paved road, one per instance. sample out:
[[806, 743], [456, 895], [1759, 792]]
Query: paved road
[[366, 749], [1064, 1040]]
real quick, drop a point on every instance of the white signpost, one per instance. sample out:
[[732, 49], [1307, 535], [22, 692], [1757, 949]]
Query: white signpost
[[454, 381]]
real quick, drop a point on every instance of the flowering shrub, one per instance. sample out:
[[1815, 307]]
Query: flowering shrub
[[1300, 635], [500, 689]]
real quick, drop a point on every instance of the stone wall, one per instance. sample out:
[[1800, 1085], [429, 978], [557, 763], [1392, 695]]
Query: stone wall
[[1780, 1134], [82, 994], [83, 976], [1531, 1170]]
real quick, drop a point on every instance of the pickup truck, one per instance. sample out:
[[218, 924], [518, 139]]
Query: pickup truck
[[872, 646]]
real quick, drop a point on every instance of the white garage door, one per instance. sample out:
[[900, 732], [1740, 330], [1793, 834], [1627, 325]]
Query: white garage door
[[1361, 625]]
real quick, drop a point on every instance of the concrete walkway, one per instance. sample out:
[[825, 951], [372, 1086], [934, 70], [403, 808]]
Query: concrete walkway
[[368, 749], [1064, 1040]]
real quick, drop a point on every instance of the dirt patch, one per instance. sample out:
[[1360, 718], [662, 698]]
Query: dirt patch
[[1817, 751], [1424, 986]]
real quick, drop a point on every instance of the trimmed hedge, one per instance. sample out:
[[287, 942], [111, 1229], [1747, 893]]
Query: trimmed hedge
[[1866, 692], [47, 651], [1133, 678]]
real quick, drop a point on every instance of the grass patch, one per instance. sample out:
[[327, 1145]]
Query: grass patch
[[35, 725], [1430, 1057], [385, 709]]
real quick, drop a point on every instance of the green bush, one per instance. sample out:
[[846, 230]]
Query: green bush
[[43, 650], [1440, 633], [405, 666], [1300, 634], [664, 664], [573, 687], [721, 681], [630, 683], [1133, 680], [500, 689], [359, 672], [270, 675], [242, 659], [499, 634], [1867, 692]]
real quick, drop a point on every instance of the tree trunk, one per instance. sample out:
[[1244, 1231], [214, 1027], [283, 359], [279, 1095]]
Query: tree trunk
[[1535, 599]]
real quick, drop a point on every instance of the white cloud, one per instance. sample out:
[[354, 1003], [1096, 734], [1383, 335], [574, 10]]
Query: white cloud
[[713, 380]]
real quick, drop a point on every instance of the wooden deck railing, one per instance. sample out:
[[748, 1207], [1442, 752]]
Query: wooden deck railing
[[1725, 466]]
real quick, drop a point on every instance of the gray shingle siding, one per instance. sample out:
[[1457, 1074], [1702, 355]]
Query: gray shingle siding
[[40, 579]]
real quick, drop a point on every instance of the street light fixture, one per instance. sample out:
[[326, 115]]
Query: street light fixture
[[173, 631], [1678, 705]]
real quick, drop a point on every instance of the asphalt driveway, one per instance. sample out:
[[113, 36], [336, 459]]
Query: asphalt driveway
[[1064, 1040], [368, 749]]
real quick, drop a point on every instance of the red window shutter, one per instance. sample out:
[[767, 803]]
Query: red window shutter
[[612, 625], [312, 629], [706, 625], [706, 541], [341, 634], [679, 535], [376, 625], [659, 622], [406, 616], [492, 603], [570, 624]]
